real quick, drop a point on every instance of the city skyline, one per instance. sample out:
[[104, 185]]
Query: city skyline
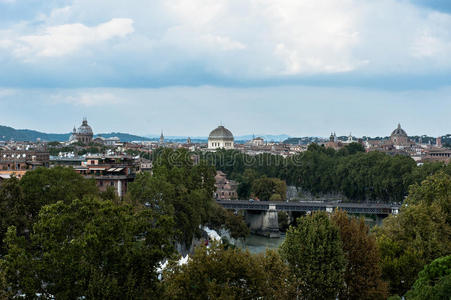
[[299, 68]]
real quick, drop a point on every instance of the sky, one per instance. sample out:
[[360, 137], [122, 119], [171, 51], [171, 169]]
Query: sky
[[296, 67]]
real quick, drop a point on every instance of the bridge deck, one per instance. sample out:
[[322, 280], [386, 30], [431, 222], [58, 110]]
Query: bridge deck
[[357, 208]]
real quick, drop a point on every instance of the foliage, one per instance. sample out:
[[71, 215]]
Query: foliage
[[269, 189], [350, 171], [362, 275], [418, 235], [220, 217], [183, 190], [89, 248], [21, 201], [282, 216], [216, 273], [245, 183], [434, 281], [313, 251]]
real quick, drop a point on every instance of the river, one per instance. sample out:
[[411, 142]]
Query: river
[[258, 244]]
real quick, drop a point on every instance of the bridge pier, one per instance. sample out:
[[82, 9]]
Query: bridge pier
[[264, 223]]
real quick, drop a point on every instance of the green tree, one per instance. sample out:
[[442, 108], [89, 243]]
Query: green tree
[[217, 273], [267, 188], [351, 149], [11, 209], [362, 275], [91, 249], [185, 191], [246, 180], [21, 200], [434, 281], [418, 235], [314, 253]]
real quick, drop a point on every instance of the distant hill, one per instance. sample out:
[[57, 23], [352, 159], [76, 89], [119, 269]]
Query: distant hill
[[125, 137], [9, 133]]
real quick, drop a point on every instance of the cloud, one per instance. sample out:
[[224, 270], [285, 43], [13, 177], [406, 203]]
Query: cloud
[[87, 99], [223, 42], [65, 39]]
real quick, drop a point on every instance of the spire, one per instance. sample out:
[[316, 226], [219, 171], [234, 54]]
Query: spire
[[161, 137], [399, 125]]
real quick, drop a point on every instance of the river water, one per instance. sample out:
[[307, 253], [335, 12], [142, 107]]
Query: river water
[[258, 244]]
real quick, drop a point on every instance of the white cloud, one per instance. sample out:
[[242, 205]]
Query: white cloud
[[6, 93], [88, 99], [68, 38], [238, 39]]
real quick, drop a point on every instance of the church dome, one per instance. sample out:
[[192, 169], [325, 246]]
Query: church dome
[[221, 133], [85, 129], [399, 132]]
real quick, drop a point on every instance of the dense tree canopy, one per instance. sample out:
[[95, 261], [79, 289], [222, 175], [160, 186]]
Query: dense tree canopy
[[362, 275], [89, 248], [21, 200], [269, 189], [434, 281], [350, 171], [185, 191], [418, 235], [217, 273], [314, 253]]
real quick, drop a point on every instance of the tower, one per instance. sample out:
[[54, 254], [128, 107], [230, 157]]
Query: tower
[[161, 138]]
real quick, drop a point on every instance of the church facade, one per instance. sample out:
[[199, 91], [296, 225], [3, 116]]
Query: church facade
[[83, 134]]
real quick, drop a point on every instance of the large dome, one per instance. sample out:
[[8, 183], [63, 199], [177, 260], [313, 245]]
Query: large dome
[[221, 133], [399, 131], [85, 128]]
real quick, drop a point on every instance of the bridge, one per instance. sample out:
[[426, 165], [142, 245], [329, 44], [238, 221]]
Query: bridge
[[262, 217], [306, 206]]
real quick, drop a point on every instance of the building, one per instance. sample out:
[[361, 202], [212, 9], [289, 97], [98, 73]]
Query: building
[[225, 189], [220, 138], [258, 142], [399, 137], [18, 162], [438, 142], [84, 133], [115, 171]]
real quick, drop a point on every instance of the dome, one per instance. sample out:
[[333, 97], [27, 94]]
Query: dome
[[85, 128], [399, 131], [221, 133]]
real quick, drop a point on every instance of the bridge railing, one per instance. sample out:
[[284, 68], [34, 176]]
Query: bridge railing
[[355, 208]]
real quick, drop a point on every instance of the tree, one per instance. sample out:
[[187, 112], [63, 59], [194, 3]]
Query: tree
[[418, 235], [184, 191], [313, 251], [21, 200], [217, 273], [47, 186], [352, 148], [362, 275], [265, 188], [434, 281], [89, 248], [11, 209]]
